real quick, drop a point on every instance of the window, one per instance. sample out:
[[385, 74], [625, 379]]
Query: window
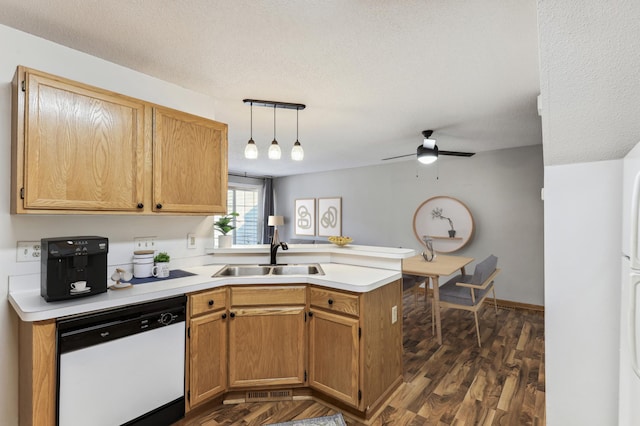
[[246, 201]]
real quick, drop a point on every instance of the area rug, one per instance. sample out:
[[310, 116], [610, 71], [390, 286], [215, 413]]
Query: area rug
[[335, 420]]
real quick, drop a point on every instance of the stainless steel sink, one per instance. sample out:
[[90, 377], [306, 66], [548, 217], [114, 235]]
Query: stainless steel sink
[[296, 270], [263, 270], [242, 271]]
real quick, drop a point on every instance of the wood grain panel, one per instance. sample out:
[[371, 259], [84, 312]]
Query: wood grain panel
[[335, 301], [381, 356], [334, 355], [268, 295], [83, 147], [189, 163], [37, 374], [267, 346], [208, 357]]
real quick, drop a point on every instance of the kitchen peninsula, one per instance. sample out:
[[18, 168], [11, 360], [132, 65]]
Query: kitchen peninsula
[[337, 335]]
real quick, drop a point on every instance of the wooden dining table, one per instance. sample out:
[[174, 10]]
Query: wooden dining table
[[442, 265]]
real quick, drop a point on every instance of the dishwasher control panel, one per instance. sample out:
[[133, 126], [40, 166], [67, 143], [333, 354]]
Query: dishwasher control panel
[[92, 329]]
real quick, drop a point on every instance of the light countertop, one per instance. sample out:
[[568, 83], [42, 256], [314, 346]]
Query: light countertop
[[24, 291]]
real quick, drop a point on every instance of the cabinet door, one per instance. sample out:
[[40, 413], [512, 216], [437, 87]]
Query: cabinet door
[[333, 355], [208, 350], [189, 163], [266, 346], [83, 147]]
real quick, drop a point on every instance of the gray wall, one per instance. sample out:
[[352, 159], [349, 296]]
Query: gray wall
[[501, 189]]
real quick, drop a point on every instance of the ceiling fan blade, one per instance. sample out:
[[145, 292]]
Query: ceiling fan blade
[[457, 153], [399, 156]]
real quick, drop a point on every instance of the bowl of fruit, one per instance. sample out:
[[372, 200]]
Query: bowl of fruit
[[340, 240]]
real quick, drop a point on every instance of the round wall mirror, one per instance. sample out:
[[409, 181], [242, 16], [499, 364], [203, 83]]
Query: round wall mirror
[[446, 220]]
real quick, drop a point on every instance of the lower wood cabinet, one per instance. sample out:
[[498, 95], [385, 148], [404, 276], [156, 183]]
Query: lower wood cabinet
[[206, 359], [267, 336], [267, 346], [334, 350], [355, 346]]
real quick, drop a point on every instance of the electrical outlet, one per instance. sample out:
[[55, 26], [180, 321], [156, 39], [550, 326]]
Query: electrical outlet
[[191, 241], [144, 243], [394, 314], [28, 251]]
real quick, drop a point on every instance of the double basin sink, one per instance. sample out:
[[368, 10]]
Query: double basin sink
[[264, 270]]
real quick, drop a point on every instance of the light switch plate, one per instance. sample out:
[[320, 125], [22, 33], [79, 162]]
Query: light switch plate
[[191, 241], [144, 243]]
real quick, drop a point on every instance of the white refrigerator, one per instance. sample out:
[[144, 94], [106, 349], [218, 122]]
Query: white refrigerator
[[629, 391]]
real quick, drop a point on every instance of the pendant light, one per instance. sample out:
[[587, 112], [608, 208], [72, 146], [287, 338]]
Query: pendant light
[[251, 150], [274, 152], [297, 153]]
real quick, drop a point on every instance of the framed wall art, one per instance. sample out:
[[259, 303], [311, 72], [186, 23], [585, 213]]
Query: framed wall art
[[305, 216], [446, 220], [329, 217]]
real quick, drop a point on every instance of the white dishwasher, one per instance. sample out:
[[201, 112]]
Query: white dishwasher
[[123, 366]]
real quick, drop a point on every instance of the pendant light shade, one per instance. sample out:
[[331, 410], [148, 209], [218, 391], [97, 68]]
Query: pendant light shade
[[251, 150], [274, 150], [297, 153]]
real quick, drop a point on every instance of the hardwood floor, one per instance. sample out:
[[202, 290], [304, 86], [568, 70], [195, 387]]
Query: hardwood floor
[[502, 383]]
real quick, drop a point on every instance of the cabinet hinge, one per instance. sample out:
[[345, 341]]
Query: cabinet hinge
[[189, 395], [305, 316], [22, 193], [24, 86], [359, 332], [305, 376], [359, 395], [189, 332]]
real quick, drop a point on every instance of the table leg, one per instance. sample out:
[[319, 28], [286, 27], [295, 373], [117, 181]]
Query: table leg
[[436, 306]]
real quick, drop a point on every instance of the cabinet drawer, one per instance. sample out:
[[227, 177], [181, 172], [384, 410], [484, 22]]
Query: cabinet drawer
[[334, 300], [208, 301], [267, 295]]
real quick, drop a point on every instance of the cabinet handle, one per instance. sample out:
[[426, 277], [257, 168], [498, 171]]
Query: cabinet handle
[[232, 315], [331, 301], [158, 206], [210, 302], [140, 206], [224, 316], [310, 314]]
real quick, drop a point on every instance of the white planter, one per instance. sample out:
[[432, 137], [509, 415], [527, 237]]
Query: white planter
[[225, 241]]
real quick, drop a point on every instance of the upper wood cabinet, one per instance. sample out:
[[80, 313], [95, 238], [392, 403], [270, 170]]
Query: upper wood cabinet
[[81, 149], [189, 163]]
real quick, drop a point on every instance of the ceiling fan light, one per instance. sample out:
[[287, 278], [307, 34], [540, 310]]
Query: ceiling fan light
[[427, 155], [429, 143], [274, 152], [251, 150], [297, 153]]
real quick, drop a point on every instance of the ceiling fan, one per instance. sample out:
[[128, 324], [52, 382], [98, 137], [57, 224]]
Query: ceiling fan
[[428, 152]]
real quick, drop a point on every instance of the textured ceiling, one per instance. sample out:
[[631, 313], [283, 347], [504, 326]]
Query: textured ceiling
[[373, 74]]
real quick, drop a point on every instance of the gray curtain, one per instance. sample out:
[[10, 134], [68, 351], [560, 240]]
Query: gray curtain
[[268, 202]]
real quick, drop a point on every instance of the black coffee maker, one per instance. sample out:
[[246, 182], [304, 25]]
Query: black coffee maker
[[73, 267]]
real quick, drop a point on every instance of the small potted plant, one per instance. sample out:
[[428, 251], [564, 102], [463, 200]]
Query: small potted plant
[[437, 214], [161, 268], [224, 225]]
